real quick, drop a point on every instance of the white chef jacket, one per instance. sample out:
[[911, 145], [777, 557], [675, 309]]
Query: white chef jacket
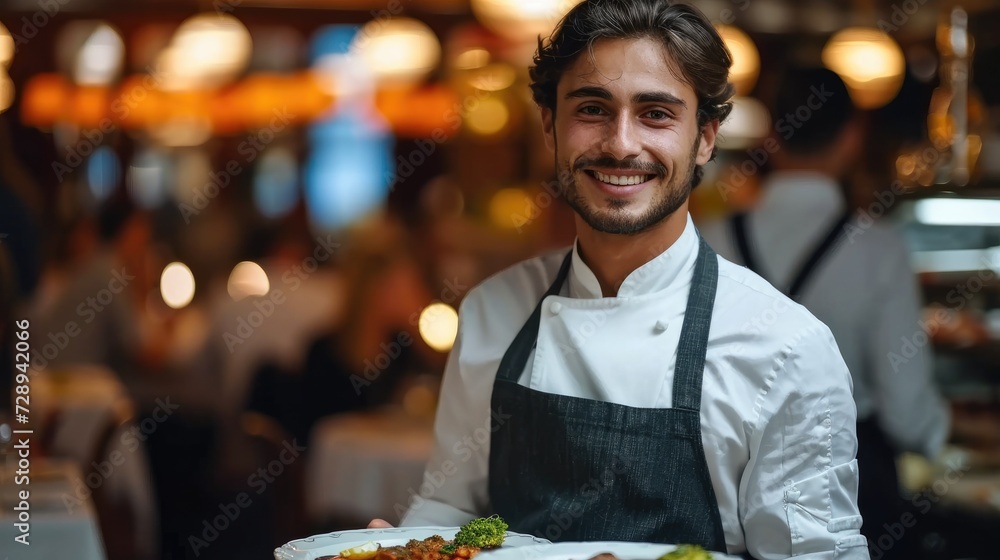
[[865, 291], [777, 415]]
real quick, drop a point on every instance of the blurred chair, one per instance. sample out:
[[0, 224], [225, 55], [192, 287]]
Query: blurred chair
[[285, 496], [92, 429]]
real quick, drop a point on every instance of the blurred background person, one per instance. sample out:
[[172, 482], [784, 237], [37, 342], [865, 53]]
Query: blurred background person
[[102, 293], [360, 363], [20, 245], [801, 236], [193, 137]]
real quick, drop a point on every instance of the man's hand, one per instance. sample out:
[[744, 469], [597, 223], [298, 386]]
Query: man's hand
[[379, 524]]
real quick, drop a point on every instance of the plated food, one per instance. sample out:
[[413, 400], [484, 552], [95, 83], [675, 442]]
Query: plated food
[[475, 536], [682, 552], [331, 545], [607, 551]]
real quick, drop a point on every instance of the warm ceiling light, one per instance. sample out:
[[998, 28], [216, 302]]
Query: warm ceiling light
[[438, 326], [177, 285], [869, 61], [522, 20], [746, 60], [494, 77], [6, 46], [101, 58], [207, 51], [248, 279], [470, 59], [6, 90], [401, 50]]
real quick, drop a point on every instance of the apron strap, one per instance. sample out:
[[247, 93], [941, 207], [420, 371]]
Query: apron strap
[[693, 344], [692, 347], [738, 227], [516, 356]]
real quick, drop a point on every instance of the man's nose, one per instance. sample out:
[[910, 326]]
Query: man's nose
[[621, 140]]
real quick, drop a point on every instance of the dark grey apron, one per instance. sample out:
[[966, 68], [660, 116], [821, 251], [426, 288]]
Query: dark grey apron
[[573, 469]]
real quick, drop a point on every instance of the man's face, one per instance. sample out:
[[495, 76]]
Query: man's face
[[625, 135]]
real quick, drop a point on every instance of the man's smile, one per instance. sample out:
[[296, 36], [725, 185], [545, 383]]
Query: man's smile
[[622, 178], [620, 182]]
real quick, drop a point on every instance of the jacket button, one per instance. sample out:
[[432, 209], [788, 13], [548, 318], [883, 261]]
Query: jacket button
[[555, 308], [659, 327]]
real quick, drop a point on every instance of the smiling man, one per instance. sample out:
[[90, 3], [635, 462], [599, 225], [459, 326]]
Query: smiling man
[[637, 387]]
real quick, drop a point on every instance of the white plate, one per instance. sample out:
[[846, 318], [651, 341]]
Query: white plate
[[587, 550], [332, 544]]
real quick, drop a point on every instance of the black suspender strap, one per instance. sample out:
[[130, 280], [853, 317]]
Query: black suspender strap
[[738, 224], [824, 249], [739, 227]]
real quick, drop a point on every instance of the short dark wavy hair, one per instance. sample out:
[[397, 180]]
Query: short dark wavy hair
[[684, 31]]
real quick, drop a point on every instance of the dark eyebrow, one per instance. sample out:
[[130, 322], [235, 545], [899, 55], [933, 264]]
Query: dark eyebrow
[[590, 91], [658, 97], [642, 97]]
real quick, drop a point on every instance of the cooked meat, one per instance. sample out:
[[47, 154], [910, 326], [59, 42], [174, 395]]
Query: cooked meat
[[427, 549]]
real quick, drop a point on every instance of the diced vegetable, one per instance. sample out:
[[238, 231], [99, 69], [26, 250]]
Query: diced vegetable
[[362, 552], [687, 552]]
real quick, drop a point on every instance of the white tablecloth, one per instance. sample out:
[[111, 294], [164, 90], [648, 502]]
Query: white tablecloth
[[365, 466], [57, 531], [88, 398]]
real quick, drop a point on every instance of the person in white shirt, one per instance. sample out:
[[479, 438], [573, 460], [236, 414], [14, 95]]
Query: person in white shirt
[[854, 274], [637, 387]]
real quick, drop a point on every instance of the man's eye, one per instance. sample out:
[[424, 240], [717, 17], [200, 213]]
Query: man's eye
[[591, 110], [658, 115]]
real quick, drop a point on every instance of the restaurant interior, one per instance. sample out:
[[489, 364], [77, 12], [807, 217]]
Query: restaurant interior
[[239, 231]]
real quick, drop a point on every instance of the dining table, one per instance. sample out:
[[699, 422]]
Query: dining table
[[367, 465], [56, 527], [86, 416]]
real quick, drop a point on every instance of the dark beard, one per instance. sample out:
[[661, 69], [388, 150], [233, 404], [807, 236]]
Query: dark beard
[[615, 221]]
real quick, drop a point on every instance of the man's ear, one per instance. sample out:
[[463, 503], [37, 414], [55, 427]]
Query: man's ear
[[548, 128], [708, 134]]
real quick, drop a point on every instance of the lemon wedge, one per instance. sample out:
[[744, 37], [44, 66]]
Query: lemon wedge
[[363, 552]]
